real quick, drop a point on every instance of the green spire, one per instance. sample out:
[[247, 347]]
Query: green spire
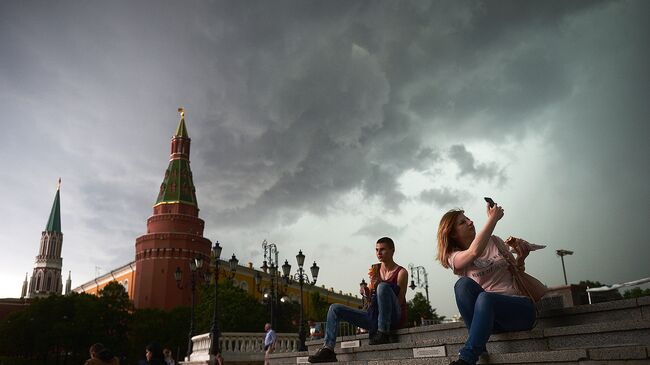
[[178, 187], [54, 223], [181, 131]]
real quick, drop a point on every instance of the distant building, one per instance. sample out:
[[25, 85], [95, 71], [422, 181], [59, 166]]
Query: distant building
[[174, 237]]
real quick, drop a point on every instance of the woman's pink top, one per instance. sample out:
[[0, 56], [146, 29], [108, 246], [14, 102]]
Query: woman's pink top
[[490, 270]]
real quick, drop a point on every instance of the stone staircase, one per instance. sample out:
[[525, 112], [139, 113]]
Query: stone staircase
[[606, 333]]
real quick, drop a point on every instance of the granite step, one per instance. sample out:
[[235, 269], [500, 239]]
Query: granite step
[[595, 335], [605, 333], [622, 310], [637, 308], [537, 339], [613, 355]]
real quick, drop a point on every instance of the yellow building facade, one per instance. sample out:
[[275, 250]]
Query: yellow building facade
[[244, 278]]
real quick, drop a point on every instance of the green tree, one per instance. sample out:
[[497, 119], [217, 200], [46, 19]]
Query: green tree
[[114, 316], [168, 328], [596, 297], [636, 293], [318, 307], [418, 309], [238, 311]]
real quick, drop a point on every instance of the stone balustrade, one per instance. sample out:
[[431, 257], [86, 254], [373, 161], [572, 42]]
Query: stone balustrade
[[239, 346]]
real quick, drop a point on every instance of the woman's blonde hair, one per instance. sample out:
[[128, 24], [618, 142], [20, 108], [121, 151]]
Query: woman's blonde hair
[[446, 244]]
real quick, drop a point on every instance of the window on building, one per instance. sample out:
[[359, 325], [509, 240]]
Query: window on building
[[244, 285]]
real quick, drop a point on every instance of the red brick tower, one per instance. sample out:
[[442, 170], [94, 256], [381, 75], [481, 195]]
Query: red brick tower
[[174, 234]]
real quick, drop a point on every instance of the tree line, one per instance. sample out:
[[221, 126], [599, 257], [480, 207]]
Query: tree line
[[61, 329]]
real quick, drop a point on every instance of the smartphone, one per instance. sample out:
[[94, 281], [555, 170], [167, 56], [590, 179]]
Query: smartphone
[[490, 201]]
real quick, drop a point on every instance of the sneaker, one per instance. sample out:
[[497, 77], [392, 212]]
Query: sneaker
[[380, 338], [324, 354]]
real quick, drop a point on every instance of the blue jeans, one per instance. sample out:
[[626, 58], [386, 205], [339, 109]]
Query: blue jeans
[[388, 309], [486, 313]]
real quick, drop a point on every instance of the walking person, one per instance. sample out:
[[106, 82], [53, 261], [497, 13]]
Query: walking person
[[387, 311], [269, 342], [487, 295]]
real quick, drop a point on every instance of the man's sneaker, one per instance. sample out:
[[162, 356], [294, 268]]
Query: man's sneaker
[[380, 338], [324, 354]]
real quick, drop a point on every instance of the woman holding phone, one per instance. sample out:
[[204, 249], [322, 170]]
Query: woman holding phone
[[485, 292]]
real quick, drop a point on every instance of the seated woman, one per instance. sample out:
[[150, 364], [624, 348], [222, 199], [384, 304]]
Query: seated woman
[[485, 293]]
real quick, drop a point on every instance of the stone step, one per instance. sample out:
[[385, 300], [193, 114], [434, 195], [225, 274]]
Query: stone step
[[595, 335], [621, 310], [637, 308], [537, 339], [592, 356]]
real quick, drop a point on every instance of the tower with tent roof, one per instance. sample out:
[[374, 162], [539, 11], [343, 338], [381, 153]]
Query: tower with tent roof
[[174, 233]]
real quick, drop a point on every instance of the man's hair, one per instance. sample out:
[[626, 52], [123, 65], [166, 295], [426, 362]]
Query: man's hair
[[97, 348], [387, 241]]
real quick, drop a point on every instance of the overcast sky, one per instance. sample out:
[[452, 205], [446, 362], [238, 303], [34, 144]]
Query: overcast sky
[[324, 125]]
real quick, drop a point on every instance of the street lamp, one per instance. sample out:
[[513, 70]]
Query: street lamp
[[195, 264], [214, 330], [302, 277], [563, 253], [363, 289], [417, 282], [270, 266], [215, 350], [233, 263]]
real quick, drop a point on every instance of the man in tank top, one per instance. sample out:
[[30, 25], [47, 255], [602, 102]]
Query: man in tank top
[[387, 311]]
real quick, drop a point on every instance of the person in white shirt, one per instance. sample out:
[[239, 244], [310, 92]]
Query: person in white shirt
[[269, 342]]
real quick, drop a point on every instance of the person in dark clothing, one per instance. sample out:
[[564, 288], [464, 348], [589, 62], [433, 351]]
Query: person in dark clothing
[[100, 355], [154, 354]]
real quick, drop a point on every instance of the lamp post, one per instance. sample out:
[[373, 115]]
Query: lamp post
[[563, 253], [214, 329], [416, 271], [195, 264], [214, 350], [271, 257], [302, 277]]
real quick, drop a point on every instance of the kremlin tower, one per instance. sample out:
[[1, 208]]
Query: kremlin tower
[[174, 234], [46, 277]]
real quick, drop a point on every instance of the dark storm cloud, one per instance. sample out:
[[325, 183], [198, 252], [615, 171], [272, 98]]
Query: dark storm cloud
[[444, 197], [468, 165], [328, 104]]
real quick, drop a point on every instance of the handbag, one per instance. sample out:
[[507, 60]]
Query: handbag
[[525, 283]]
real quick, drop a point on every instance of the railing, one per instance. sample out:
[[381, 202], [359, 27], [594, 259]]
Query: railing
[[249, 346], [241, 346]]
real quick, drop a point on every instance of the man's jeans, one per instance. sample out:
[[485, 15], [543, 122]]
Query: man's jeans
[[388, 309], [486, 313]]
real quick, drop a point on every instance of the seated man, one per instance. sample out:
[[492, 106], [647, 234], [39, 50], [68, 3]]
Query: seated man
[[387, 311]]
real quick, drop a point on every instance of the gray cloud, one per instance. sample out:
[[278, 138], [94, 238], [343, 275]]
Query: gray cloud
[[378, 227], [444, 197], [468, 165]]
